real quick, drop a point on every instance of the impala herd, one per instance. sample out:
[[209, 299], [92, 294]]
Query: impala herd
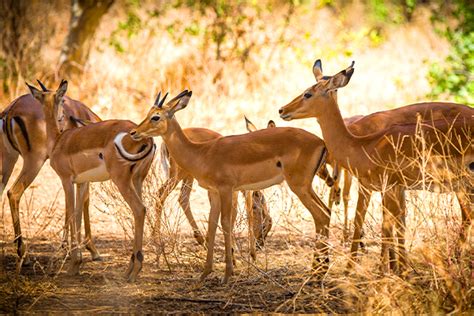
[[420, 146]]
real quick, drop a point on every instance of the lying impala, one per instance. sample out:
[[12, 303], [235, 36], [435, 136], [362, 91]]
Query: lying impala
[[23, 132], [252, 161], [92, 153], [426, 145]]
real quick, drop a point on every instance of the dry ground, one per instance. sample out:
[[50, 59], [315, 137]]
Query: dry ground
[[280, 280]]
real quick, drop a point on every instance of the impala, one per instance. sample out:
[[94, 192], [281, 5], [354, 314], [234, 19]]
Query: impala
[[23, 132], [255, 201], [252, 161], [92, 153], [427, 145]]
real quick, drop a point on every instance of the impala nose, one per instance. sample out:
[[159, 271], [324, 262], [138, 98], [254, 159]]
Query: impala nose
[[133, 133], [280, 111]]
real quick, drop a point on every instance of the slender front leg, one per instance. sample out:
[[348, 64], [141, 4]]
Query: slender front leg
[[361, 209], [346, 191], [211, 231], [226, 222], [251, 224], [71, 219]]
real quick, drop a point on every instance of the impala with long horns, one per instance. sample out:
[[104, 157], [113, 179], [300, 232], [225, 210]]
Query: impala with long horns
[[252, 161]]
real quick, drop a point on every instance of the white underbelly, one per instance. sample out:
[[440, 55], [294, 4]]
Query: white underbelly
[[97, 174], [262, 184]]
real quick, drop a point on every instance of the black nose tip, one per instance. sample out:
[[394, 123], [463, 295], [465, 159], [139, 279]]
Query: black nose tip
[[280, 111], [133, 133]]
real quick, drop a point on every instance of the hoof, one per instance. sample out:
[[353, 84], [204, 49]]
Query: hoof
[[73, 270], [97, 258]]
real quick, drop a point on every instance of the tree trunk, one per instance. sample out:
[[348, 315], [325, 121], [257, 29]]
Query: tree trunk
[[85, 18]]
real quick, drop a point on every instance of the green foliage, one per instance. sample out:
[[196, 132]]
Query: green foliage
[[130, 27], [455, 75]]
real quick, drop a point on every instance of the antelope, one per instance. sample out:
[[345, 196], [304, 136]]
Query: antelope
[[252, 161], [23, 132], [389, 160], [255, 201], [93, 153]]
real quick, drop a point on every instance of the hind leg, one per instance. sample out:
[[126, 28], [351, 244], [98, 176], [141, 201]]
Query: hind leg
[[90, 246], [9, 159], [321, 216], [184, 197]]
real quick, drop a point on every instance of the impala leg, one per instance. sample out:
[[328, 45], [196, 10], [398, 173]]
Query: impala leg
[[28, 173], [133, 200], [466, 202], [388, 224], [251, 224], [72, 217], [211, 232], [226, 223], [321, 215], [361, 209], [400, 230], [345, 200], [90, 246], [235, 201], [263, 221], [184, 196]]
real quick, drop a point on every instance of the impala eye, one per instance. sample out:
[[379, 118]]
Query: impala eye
[[155, 118], [307, 95]]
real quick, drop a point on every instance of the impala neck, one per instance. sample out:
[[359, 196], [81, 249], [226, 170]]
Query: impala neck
[[344, 147], [182, 149], [52, 128]]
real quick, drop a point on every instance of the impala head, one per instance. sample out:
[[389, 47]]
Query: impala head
[[312, 101], [51, 101], [158, 118]]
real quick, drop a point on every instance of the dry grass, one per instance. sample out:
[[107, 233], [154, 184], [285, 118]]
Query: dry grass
[[123, 86]]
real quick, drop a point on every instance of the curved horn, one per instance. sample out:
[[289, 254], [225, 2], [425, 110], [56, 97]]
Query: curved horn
[[42, 85], [162, 101], [157, 99]]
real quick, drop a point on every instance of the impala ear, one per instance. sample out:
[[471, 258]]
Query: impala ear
[[271, 124], [37, 94], [249, 125], [181, 100], [318, 70], [341, 79], [61, 91]]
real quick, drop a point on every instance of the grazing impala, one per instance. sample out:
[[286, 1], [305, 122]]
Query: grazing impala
[[23, 132], [252, 161], [92, 153], [426, 146]]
